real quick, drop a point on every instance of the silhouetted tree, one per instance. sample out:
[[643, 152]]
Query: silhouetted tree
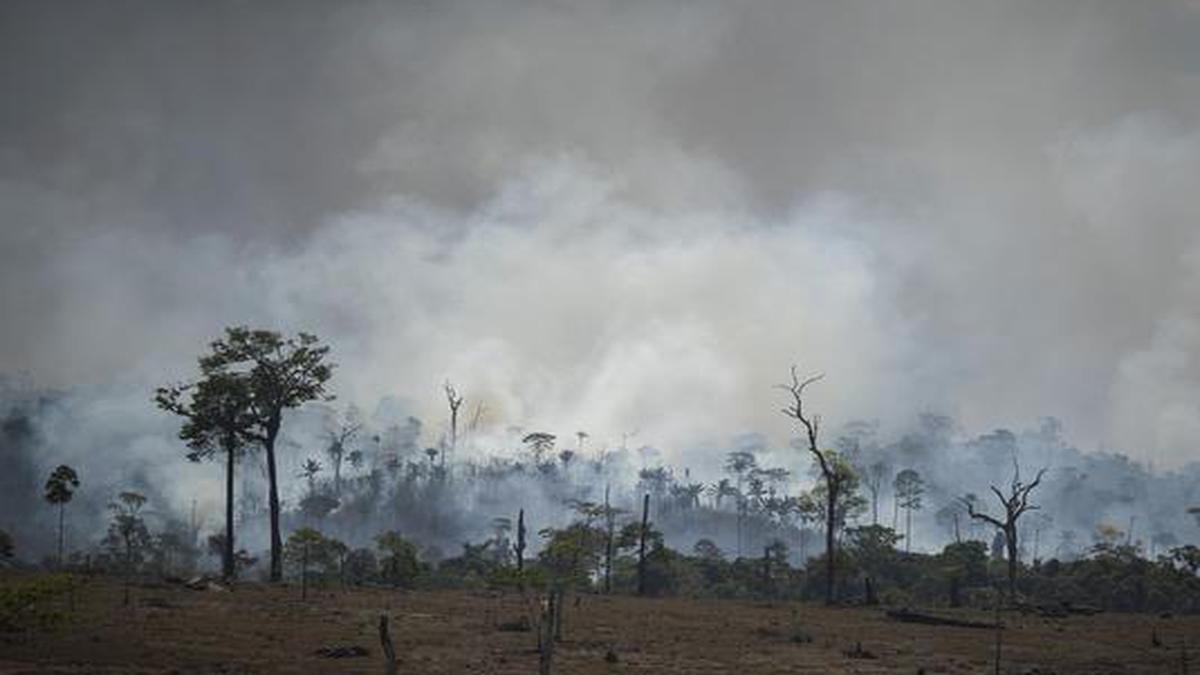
[[741, 464], [217, 415], [1015, 503], [519, 547], [540, 443], [60, 489], [309, 471], [127, 533], [908, 487], [281, 373], [339, 438], [873, 478], [641, 568], [398, 559], [455, 401], [835, 472]]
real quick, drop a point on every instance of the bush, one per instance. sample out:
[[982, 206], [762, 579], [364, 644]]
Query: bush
[[34, 603], [398, 562]]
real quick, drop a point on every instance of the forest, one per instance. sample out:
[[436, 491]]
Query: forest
[[326, 496]]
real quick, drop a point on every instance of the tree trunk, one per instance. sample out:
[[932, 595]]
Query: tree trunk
[[740, 511], [830, 553], [1010, 534], [227, 554], [273, 501], [767, 569], [608, 544], [520, 547], [304, 574], [389, 650], [908, 530], [337, 476], [61, 521], [641, 568]]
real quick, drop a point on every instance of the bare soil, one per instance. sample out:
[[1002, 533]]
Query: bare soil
[[260, 628]]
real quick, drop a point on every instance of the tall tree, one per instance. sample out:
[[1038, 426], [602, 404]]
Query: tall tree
[[282, 373], [339, 438], [908, 488], [216, 423], [127, 533], [519, 546], [874, 476], [1015, 503], [454, 400], [60, 489], [740, 463], [835, 472]]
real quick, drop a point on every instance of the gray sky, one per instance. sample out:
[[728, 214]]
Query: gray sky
[[625, 216]]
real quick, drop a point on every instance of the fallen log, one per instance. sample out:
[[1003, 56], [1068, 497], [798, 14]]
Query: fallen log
[[909, 616]]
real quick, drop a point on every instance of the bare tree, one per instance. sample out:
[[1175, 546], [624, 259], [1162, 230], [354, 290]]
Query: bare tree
[[834, 471], [1015, 504], [873, 478], [908, 487], [455, 401], [339, 438]]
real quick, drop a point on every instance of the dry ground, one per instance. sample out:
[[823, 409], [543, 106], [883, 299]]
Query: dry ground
[[257, 628]]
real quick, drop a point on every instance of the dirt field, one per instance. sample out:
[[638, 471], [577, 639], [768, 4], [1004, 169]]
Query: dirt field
[[256, 628]]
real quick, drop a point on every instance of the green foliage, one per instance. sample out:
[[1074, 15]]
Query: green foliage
[[34, 603], [472, 569], [216, 410], [909, 487], [61, 485], [360, 566], [1184, 558], [128, 538], [284, 372], [399, 565], [871, 549], [323, 556], [512, 578], [967, 561], [573, 553]]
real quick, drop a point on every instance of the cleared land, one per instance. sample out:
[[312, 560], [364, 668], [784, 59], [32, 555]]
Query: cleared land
[[258, 628]]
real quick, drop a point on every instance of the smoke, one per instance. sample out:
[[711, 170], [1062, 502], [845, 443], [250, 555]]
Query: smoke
[[622, 219]]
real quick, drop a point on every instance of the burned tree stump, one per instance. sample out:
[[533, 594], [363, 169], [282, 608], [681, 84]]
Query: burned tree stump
[[389, 650]]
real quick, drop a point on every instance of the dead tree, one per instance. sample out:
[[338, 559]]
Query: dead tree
[[610, 525], [455, 400], [519, 547], [1015, 505], [389, 650], [834, 472], [338, 440], [641, 566], [549, 620]]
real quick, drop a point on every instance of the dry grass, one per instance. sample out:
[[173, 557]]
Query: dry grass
[[257, 628]]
